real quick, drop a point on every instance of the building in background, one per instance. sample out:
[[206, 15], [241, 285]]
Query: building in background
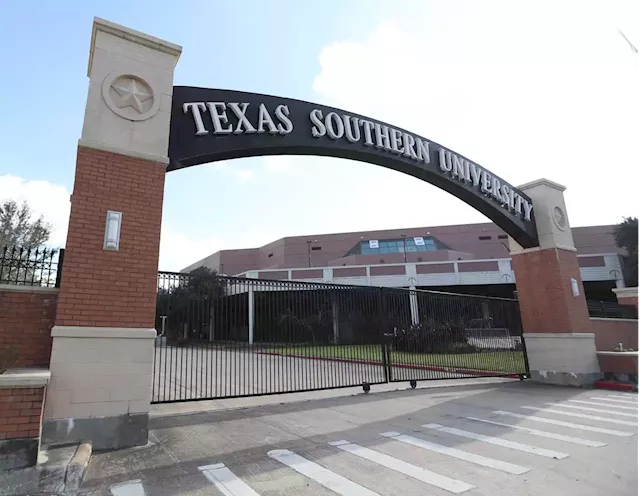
[[470, 258]]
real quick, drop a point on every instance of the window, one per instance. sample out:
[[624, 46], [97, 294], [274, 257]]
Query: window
[[398, 246], [316, 248], [484, 238]]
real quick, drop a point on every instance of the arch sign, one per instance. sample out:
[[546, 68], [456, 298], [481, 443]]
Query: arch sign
[[209, 125]]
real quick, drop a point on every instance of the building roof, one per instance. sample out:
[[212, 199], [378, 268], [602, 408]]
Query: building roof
[[453, 242]]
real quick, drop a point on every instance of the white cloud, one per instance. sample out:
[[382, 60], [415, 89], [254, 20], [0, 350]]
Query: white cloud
[[233, 169], [550, 93], [278, 164], [52, 201], [178, 250]]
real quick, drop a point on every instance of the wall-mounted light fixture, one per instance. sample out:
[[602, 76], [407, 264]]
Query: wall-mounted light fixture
[[112, 231]]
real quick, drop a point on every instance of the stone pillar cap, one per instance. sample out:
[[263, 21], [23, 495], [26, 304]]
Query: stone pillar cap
[[626, 292], [542, 182], [131, 35]]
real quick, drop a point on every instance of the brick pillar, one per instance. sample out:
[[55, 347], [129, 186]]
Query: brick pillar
[[555, 319], [102, 353]]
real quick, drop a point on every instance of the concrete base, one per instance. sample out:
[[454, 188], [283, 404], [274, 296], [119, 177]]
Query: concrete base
[[18, 453], [566, 359], [105, 433]]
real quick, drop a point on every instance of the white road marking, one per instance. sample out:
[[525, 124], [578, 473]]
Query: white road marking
[[321, 475], [128, 488], [597, 410], [595, 403], [226, 481], [456, 453], [499, 442], [422, 474], [615, 400], [579, 415], [629, 396], [565, 424], [550, 435]]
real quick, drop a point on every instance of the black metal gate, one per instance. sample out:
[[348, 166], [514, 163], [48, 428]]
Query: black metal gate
[[223, 337]]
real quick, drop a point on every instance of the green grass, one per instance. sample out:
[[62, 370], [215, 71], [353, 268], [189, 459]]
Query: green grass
[[503, 361]]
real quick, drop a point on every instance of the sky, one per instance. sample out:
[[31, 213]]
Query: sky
[[525, 89]]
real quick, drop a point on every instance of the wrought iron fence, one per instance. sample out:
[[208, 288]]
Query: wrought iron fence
[[611, 310], [31, 266], [224, 336]]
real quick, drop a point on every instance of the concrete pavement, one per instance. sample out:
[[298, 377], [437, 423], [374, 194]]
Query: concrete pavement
[[489, 438]]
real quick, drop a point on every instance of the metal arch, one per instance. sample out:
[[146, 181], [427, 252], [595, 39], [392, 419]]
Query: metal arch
[[187, 148]]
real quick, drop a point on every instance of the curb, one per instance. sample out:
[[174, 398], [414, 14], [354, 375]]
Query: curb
[[62, 468], [474, 372], [77, 467], [614, 386]]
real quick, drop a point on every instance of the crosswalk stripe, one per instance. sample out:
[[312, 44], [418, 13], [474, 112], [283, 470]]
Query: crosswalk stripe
[[579, 415], [318, 473], [226, 481], [564, 424], [499, 442], [596, 403], [128, 488], [422, 474], [615, 400], [597, 410], [550, 435], [456, 453], [628, 396]]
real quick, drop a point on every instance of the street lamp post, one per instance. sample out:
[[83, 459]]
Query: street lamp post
[[309, 250], [404, 243]]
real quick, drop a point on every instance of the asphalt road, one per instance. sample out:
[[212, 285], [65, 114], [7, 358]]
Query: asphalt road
[[488, 439]]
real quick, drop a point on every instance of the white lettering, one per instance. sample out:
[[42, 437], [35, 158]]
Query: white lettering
[[485, 187], [282, 113], [458, 167], [382, 136], [476, 173], [352, 132], [528, 207], [495, 189], [368, 127], [467, 172], [512, 199], [338, 131], [219, 117], [444, 166], [409, 142], [396, 139], [422, 147], [196, 108], [317, 129], [519, 202], [239, 109], [505, 195], [265, 118]]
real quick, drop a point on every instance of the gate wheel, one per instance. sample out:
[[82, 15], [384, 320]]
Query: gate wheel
[[413, 383]]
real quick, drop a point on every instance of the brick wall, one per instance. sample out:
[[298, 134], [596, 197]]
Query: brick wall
[[610, 332], [26, 319], [112, 288], [20, 412], [546, 300]]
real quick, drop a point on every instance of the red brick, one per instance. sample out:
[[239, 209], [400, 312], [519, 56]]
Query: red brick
[[107, 181], [27, 325], [544, 289]]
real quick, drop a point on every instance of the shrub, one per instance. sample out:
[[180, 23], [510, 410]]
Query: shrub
[[428, 338]]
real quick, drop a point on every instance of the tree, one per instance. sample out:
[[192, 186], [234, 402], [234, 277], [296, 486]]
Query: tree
[[18, 227], [626, 236], [191, 303]]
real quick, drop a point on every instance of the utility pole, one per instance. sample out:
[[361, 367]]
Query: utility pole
[[404, 243], [309, 250]]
